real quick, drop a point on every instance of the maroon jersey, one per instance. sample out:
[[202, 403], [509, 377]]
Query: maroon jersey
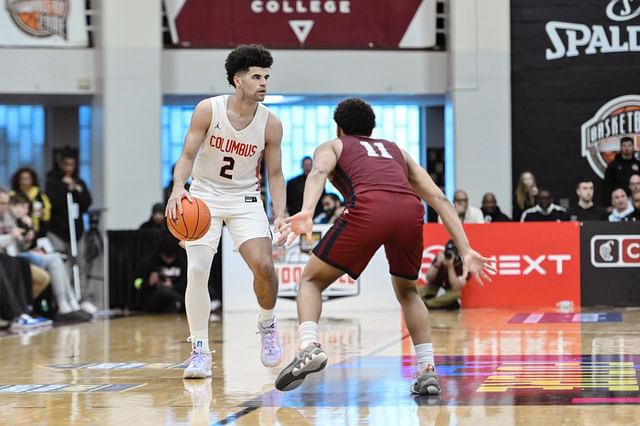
[[382, 210], [368, 164]]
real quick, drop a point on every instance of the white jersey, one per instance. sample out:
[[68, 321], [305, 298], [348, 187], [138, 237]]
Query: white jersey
[[228, 162]]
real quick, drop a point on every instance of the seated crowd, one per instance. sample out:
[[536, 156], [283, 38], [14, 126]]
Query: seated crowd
[[35, 260], [35, 264]]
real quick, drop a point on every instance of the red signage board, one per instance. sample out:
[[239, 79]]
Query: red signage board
[[356, 24], [538, 263]]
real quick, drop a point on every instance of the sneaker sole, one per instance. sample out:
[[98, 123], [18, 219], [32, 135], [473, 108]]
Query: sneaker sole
[[195, 375], [432, 388], [287, 381]]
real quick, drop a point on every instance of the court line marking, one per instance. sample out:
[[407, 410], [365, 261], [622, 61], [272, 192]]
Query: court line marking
[[235, 416], [386, 345]]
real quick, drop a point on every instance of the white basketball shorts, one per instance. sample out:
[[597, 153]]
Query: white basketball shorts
[[244, 216]]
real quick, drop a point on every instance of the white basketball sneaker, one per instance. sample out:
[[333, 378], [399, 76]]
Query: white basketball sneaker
[[198, 365], [271, 353]]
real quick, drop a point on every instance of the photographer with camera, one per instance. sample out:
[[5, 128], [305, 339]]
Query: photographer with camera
[[445, 279], [162, 277]]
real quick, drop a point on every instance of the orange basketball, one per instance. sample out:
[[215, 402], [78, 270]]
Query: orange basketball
[[194, 221]]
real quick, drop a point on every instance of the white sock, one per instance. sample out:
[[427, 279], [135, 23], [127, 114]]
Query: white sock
[[265, 316], [200, 340], [424, 353], [197, 302], [307, 333]]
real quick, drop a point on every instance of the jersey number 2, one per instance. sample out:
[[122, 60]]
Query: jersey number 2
[[371, 152], [226, 170]]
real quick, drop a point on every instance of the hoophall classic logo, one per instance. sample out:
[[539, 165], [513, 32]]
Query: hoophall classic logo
[[601, 134], [40, 18], [571, 39]]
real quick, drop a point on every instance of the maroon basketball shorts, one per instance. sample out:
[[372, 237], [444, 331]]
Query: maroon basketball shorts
[[391, 219]]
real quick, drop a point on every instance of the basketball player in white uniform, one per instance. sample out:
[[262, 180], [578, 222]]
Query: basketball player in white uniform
[[223, 148]]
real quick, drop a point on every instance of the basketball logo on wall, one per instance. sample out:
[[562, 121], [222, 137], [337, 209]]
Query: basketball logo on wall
[[602, 133], [40, 18]]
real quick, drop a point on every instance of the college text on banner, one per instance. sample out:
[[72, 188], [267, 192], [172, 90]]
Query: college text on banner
[[356, 24]]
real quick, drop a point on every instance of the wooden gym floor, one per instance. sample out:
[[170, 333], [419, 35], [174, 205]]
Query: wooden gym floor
[[496, 368]]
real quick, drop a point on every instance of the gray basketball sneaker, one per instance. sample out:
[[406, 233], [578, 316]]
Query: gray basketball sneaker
[[427, 382], [198, 365], [309, 360]]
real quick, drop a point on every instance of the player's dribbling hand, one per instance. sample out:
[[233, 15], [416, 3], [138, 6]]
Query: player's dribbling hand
[[278, 224], [478, 266], [299, 223], [174, 204]]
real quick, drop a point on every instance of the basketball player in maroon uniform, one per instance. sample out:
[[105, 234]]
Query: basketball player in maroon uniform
[[382, 187]]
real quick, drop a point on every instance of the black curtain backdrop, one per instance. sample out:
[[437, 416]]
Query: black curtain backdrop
[[551, 99], [126, 250]]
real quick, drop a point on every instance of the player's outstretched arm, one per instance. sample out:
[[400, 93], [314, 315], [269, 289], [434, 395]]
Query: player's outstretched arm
[[200, 121], [273, 159], [324, 163], [422, 183], [325, 159]]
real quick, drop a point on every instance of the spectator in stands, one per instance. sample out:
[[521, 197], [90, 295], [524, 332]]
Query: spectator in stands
[[18, 286], [25, 181], [156, 220], [10, 237], [620, 169], [15, 296], [68, 307], [491, 210], [162, 277], [525, 194], [445, 279], [331, 209], [466, 213], [635, 215], [545, 210], [295, 189], [621, 206], [63, 179], [586, 209], [634, 184]]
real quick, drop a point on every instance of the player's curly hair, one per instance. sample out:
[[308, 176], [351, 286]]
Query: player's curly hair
[[245, 56], [355, 117]]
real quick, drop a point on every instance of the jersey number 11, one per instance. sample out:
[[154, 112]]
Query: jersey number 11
[[371, 151]]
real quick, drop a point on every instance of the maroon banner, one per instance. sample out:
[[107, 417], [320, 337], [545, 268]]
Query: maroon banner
[[360, 24]]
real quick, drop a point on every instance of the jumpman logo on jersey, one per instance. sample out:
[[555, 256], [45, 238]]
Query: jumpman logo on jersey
[[217, 126]]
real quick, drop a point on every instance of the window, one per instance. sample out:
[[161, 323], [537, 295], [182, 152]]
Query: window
[[21, 140], [305, 127], [84, 141]]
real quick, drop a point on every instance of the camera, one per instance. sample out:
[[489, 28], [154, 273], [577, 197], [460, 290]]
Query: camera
[[450, 251], [20, 224]]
